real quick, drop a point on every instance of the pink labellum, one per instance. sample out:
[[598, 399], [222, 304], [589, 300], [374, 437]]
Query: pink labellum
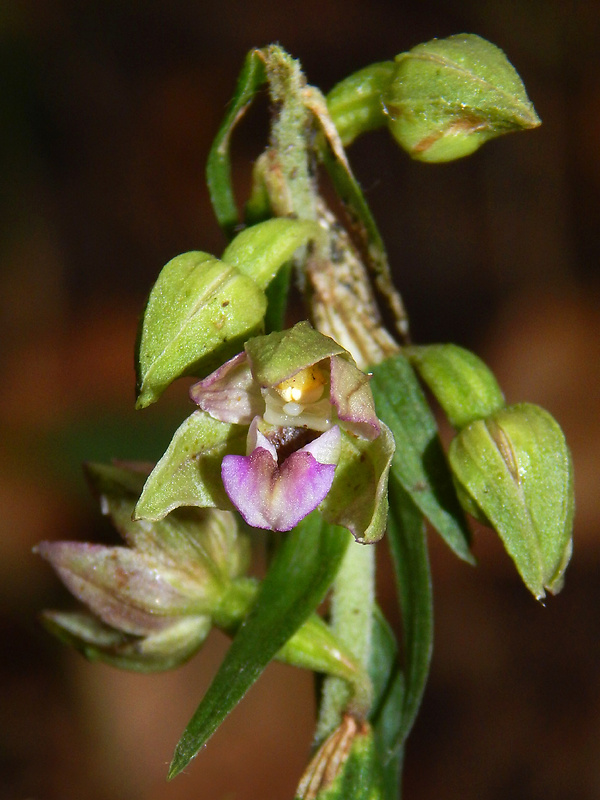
[[275, 497]]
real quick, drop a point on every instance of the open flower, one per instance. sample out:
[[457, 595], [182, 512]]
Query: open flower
[[306, 405], [285, 427]]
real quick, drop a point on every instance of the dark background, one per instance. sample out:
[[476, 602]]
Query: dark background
[[107, 111]]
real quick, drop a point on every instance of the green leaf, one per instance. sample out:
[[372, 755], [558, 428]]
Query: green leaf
[[297, 580], [388, 696], [277, 299], [516, 467], [449, 96], [314, 646], [419, 463], [462, 384], [261, 250], [408, 545], [355, 104], [218, 167], [199, 313], [189, 473]]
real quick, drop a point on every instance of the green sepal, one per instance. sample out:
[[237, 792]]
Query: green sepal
[[449, 96], [189, 473], [296, 583], [199, 313], [355, 104], [279, 355], [419, 463], [516, 467], [218, 167], [462, 384], [157, 652], [407, 540], [261, 250], [358, 496]]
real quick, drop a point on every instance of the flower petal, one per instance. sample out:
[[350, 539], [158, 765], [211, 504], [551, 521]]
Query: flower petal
[[230, 394], [326, 448], [353, 399], [275, 497]]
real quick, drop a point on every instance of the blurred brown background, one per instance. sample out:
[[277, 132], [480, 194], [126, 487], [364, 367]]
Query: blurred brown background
[[107, 111]]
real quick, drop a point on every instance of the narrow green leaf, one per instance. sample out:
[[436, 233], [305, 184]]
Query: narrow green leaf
[[388, 697], [261, 250], [295, 584], [419, 463], [189, 473], [199, 313], [408, 545], [314, 646], [277, 299], [218, 167]]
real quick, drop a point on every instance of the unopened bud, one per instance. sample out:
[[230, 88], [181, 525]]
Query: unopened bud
[[449, 96], [515, 466]]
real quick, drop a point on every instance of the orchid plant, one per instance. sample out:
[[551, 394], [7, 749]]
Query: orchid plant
[[318, 433]]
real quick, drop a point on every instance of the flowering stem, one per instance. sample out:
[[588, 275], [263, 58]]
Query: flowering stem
[[352, 603]]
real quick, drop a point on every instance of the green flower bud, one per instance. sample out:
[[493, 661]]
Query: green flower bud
[[200, 310], [515, 466], [461, 383], [449, 96], [260, 250]]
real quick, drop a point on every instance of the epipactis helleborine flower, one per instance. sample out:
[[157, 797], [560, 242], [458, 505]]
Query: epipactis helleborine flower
[[307, 406]]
